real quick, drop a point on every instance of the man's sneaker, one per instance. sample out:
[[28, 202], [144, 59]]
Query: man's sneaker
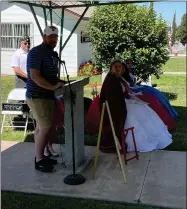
[[44, 166], [50, 161]]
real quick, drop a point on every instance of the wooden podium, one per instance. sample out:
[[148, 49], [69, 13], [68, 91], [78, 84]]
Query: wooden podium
[[78, 90]]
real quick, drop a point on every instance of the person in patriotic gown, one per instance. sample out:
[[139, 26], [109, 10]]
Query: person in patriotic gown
[[129, 75], [127, 110]]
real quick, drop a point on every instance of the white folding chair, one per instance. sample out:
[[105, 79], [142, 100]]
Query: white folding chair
[[15, 96]]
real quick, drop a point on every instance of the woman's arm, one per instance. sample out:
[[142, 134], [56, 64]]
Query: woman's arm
[[126, 89]]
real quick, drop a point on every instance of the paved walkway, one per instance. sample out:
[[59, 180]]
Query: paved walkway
[[179, 55], [175, 73], [157, 178], [7, 144]]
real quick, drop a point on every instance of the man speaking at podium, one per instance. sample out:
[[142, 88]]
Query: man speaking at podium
[[42, 69]]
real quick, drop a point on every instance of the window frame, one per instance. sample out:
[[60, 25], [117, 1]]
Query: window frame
[[15, 46]]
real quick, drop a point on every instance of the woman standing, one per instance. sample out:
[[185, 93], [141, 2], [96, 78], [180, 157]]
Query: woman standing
[[112, 92]]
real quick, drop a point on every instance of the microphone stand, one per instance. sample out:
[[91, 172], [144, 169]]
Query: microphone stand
[[72, 179]]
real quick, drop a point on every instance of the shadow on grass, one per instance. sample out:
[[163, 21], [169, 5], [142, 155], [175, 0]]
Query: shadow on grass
[[16, 200], [170, 96], [180, 133]]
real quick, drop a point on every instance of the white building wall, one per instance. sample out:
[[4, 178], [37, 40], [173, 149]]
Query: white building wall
[[21, 14], [15, 14], [84, 49]]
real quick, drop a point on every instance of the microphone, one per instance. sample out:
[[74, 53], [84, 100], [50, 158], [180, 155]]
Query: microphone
[[55, 54]]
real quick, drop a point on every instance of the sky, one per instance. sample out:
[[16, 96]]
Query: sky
[[167, 9]]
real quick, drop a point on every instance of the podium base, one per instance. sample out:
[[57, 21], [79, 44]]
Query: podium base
[[74, 179]]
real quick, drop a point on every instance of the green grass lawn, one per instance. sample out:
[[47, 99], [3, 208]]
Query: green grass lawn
[[174, 87], [11, 200], [175, 65]]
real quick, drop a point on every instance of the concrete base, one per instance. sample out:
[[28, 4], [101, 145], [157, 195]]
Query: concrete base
[[157, 178], [82, 167]]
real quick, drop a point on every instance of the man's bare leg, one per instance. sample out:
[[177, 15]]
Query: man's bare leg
[[49, 148], [40, 143], [36, 132], [50, 136]]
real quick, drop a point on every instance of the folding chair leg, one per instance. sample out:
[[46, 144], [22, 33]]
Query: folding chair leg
[[33, 123], [123, 146], [3, 123], [27, 118], [12, 126]]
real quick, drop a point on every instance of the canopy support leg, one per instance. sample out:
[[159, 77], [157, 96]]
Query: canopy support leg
[[36, 19], [75, 27], [61, 38], [51, 13], [45, 16]]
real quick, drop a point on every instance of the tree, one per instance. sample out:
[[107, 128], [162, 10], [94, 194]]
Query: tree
[[152, 5], [174, 29], [182, 31], [129, 31]]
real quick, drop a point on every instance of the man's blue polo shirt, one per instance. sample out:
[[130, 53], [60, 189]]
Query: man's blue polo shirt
[[41, 58]]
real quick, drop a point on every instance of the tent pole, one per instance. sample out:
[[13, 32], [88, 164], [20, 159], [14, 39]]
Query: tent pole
[[75, 27], [36, 19], [94, 4], [61, 38], [45, 16], [51, 13]]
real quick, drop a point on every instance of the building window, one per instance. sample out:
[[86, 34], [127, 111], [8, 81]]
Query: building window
[[85, 37], [11, 34]]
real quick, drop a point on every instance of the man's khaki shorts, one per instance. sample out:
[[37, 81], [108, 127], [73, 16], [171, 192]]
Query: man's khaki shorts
[[42, 110]]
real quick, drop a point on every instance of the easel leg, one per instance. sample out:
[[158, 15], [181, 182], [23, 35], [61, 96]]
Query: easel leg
[[116, 143], [98, 141]]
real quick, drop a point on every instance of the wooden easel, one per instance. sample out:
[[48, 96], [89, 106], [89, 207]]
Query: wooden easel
[[117, 144]]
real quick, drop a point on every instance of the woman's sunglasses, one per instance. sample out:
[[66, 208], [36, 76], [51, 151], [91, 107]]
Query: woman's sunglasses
[[27, 43]]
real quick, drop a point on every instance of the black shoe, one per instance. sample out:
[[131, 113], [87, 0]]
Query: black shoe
[[50, 161], [44, 166]]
